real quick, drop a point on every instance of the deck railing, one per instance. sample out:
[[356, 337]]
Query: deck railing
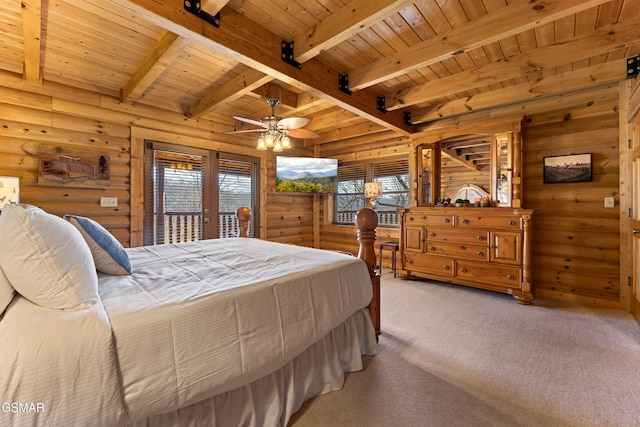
[[384, 218], [187, 226]]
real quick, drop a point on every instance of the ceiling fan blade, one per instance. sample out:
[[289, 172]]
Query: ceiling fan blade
[[245, 131], [303, 133], [293, 122], [253, 122]]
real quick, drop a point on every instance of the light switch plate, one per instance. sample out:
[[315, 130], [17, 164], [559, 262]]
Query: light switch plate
[[109, 202], [609, 202]]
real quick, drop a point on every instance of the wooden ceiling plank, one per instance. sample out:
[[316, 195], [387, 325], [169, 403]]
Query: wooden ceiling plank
[[163, 53], [459, 159], [276, 91], [339, 26], [31, 29], [576, 80], [503, 22], [329, 120], [345, 133], [236, 88], [212, 7], [577, 48], [258, 48]]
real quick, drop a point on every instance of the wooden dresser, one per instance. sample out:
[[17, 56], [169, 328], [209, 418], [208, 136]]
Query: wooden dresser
[[488, 248]]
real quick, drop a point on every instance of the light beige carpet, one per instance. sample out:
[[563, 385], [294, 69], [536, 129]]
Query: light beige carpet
[[457, 356]]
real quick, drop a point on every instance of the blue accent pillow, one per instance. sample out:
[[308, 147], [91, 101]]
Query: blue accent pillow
[[108, 254]]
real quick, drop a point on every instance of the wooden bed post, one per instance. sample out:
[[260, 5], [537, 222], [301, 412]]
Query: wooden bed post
[[367, 221], [243, 215]]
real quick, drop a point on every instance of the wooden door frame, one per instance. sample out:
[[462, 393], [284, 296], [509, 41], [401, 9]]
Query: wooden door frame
[[629, 105], [139, 135]]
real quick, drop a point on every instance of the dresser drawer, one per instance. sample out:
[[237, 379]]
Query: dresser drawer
[[492, 274], [481, 220], [429, 264], [429, 219], [440, 234], [457, 250]]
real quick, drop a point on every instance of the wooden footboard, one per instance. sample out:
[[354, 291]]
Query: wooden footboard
[[366, 222]]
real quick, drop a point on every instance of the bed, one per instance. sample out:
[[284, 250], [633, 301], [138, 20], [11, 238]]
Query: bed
[[218, 332]]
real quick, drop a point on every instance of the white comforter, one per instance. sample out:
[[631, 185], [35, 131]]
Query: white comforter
[[199, 319], [57, 368]]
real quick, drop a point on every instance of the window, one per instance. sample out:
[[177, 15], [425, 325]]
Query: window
[[394, 176]]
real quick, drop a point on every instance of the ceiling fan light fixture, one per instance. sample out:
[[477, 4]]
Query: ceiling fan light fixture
[[268, 140], [286, 142], [277, 146], [261, 143]]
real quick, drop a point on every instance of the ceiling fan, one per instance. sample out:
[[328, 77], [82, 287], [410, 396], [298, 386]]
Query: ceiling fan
[[276, 130]]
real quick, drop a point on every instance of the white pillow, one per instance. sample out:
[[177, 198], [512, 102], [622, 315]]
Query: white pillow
[[6, 292], [46, 259], [108, 254]]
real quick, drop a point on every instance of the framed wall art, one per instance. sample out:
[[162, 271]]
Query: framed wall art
[[568, 168], [9, 190], [62, 167]]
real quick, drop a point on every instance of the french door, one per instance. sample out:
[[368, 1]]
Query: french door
[[192, 194]]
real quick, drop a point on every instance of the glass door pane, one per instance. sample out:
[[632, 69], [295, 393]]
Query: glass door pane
[[175, 196], [237, 187]]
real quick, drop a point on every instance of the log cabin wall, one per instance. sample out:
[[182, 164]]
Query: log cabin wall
[[375, 146], [455, 176], [30, 120], [576, 241], [62, 116], [290, 216], [576, 248]]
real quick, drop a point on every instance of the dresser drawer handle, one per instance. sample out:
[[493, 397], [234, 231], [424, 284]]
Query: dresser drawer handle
[[432, 234], [446, 267], [409, 261], [510, 277], [480, 253], [424, 217], [511, 223], [465, 221], [446, 220], [463, 270], [480, 238], [410, 218], [432, 248]]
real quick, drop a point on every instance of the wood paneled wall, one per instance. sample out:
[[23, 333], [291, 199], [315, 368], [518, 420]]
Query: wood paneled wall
[[29, 120], [57, 115], [455, 176], [576, 239], [289, 216]]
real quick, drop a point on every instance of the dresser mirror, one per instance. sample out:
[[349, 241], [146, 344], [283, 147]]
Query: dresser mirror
[[470, 166]]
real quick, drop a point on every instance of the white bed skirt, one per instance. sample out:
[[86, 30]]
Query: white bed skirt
[[273, 399]]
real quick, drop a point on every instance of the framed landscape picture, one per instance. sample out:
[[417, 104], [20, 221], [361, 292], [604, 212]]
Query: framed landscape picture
[[62, 167], [568, 168]]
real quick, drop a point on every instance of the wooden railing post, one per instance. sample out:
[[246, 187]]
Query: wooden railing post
[[243, 215], [366, 222]]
